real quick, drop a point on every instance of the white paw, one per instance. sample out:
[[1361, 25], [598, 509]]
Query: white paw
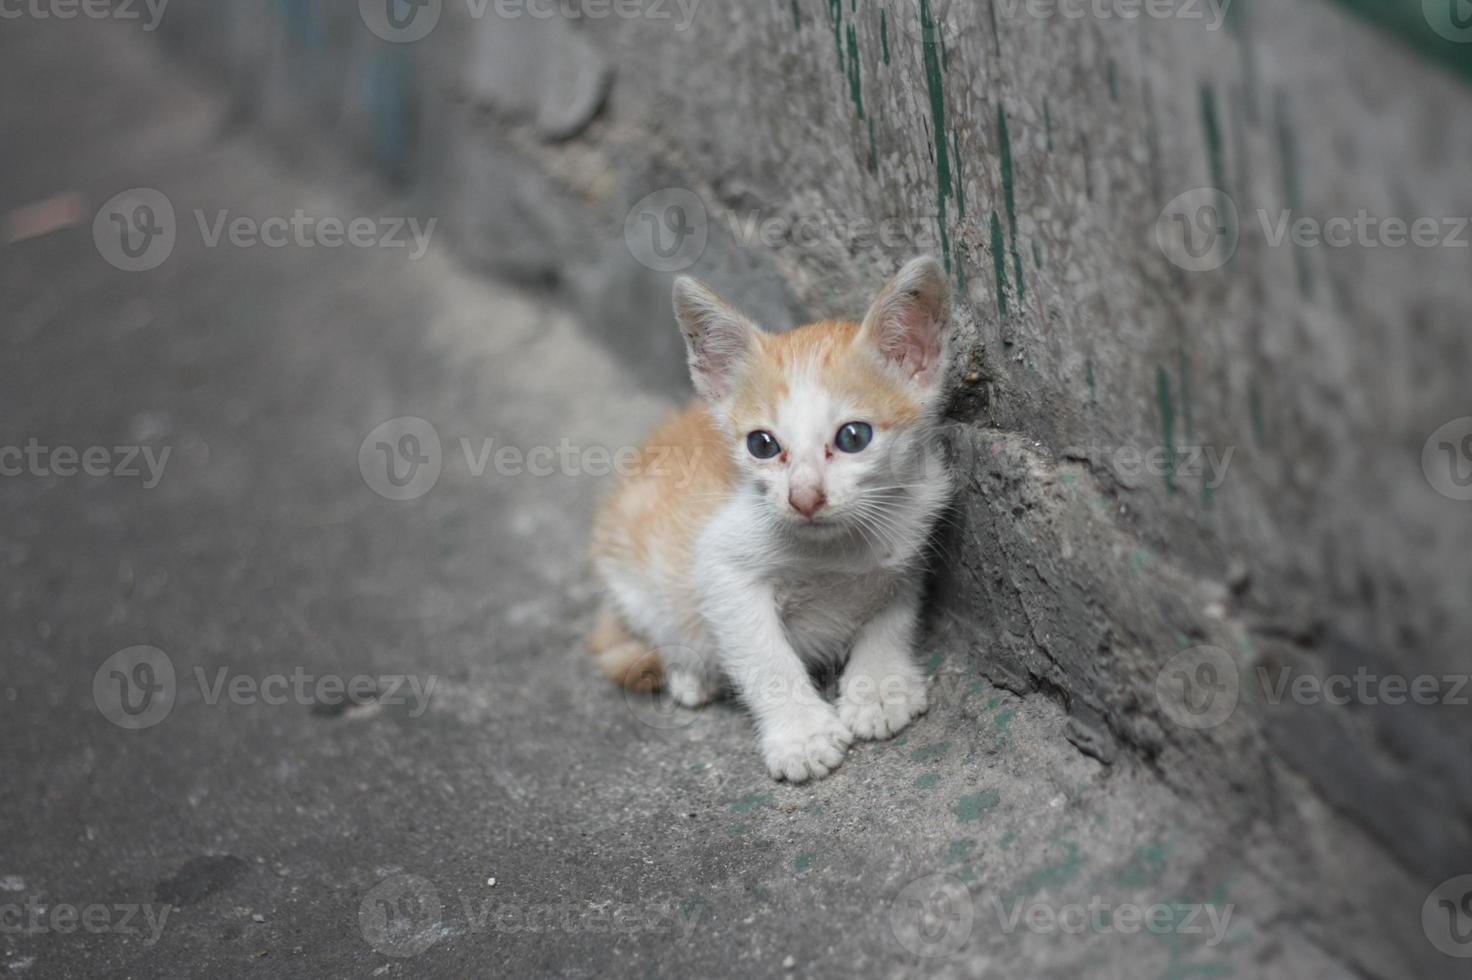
[[875, 708], [688, 688], [809, 746]]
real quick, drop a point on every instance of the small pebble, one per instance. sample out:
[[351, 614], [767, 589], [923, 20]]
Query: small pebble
[[257, 917], [789, 963], [491, 882]]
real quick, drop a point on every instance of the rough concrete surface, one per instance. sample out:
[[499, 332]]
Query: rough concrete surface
[[625, 837]]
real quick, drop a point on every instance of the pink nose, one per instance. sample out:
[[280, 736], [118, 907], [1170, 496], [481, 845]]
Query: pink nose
[[807, 501]]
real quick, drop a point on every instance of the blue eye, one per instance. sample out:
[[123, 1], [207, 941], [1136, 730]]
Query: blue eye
[[854, 436], [762, 444]]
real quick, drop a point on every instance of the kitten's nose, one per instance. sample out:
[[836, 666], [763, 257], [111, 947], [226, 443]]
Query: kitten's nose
[[807, 501]]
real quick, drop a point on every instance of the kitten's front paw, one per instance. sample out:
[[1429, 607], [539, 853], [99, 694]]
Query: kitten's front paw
[[808, 747], [877, 708]]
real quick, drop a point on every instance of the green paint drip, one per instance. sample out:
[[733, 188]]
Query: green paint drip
[[1292, 184], [969, 809], [1009, 193], [796, 16], [1048, 123], [855, 89], [1113, 80], [1167, 425], [1037, 256], [1089, 379], [1212, 129], [883, 34], [938, 120], [999, 260]]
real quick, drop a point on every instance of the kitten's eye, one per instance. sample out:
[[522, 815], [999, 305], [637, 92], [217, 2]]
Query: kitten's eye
[[852, 438], [762, 444]]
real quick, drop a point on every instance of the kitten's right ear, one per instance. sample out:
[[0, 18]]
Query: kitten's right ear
[[718, 340]]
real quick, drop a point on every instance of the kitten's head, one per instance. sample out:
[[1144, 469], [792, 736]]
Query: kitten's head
[[831, 422]]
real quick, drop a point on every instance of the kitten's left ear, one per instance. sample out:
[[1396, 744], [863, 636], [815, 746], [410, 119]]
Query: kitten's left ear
[[909, 321]]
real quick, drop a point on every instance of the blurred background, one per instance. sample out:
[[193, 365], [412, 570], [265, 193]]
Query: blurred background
[[324, 324]]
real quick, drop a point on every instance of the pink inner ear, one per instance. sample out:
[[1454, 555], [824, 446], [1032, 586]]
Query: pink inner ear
[[910, 339]]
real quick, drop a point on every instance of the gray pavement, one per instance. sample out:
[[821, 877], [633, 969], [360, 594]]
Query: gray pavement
[[523, 818]]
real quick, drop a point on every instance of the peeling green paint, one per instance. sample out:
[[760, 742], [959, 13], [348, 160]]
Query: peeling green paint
[[1048, 123], [936, 90], [927, 780], [1146, 867], [960, 179], [969, 809], [936, 661], [752, 800], [855, 87], [960, 851], [803, 861], [1089, 380], [1167, 425], [930, 753], [999, 261], [883, 33], [1003, 721], [1411, 22]]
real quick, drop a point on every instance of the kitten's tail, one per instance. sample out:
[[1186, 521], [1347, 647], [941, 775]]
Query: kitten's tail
[[627, 661]]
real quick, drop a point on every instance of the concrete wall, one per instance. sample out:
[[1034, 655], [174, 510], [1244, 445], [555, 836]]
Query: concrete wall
[[1163, 449]]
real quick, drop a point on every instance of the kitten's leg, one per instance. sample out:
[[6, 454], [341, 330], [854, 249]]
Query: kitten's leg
[[882, 689], [801, 736]]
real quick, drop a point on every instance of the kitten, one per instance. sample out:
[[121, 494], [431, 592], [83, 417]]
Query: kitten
[[780, 523]]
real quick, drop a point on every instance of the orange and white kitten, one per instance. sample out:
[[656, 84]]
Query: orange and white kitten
[[792, 531]]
